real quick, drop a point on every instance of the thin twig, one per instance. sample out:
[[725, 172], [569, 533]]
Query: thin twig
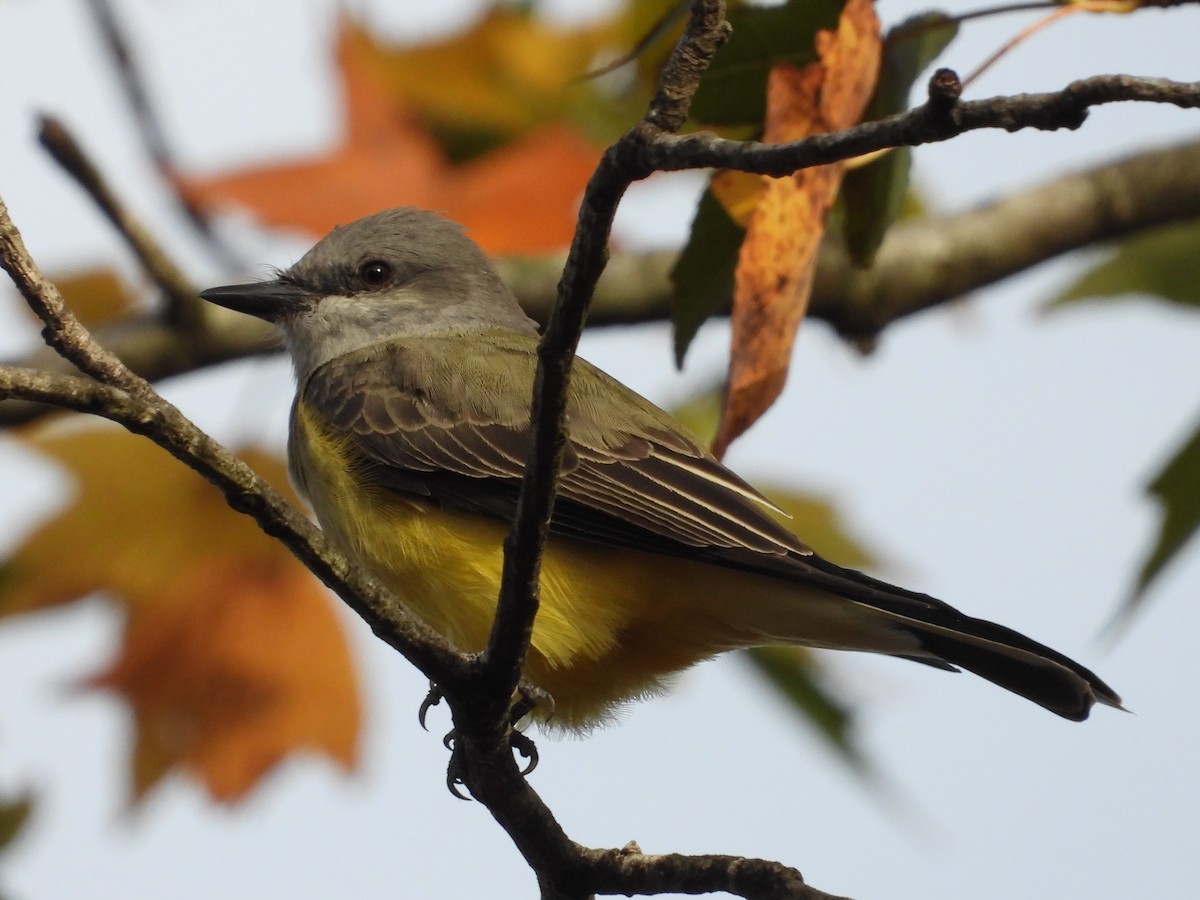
[[1049, 111], [184, 306], [154, 136]]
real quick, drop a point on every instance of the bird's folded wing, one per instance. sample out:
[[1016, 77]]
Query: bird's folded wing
[[426, 419]]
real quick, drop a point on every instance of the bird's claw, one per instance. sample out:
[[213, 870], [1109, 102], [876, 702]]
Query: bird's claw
[[432, 699], [456, 771], [525, 746], [530, 698]]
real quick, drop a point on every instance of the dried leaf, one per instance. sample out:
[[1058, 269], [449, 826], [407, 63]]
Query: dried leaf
[[243, 664], [778, 256]]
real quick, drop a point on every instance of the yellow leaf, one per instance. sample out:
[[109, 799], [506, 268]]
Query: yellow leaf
[[96, 296]]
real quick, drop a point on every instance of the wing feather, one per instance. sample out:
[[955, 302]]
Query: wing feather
[[640, 482]]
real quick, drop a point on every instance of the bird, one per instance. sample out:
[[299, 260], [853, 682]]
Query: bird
[[409, 433]]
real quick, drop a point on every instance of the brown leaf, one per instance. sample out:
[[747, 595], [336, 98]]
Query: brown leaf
[[775, 267], [519, 198], [233, 655]]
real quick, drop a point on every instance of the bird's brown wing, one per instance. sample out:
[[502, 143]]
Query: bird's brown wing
[[424, 419]]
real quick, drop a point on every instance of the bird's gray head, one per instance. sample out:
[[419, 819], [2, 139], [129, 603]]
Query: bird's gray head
[[401, 272]]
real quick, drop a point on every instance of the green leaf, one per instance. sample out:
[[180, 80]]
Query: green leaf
[[792, 673], [734, 89], [908, 50], [1177, 489], [703, 276], [1163, 262], [874, 194], [13, 815]]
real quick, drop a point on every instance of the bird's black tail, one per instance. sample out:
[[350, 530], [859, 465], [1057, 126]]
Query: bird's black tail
[[1013, 661], [951, 640]]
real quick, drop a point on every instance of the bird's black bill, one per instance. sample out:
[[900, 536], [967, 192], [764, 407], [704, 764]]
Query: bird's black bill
[[270, 300]]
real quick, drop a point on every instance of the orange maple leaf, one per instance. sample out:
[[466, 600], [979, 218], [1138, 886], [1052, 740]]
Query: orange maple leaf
[[244, 664], [775, 266], [520, 198], [233, 655]]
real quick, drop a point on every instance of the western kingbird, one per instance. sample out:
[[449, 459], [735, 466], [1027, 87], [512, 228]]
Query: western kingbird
[[409, 433]]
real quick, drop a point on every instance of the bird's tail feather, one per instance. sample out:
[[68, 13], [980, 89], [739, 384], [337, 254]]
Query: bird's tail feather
[[1015, 662], [948, 638]]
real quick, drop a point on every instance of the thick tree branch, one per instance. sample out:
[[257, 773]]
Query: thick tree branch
[[926, 263]]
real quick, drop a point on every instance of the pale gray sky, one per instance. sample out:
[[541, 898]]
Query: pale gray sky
[[993, 457]]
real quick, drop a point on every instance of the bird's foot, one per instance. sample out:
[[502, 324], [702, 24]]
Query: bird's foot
[[530, 699], [457, 770]]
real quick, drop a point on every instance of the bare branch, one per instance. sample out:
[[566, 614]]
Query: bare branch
[[927, 124], [184, 305], [133, 82]]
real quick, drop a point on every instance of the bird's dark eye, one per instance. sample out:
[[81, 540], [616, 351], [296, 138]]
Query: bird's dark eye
[[375, 272]]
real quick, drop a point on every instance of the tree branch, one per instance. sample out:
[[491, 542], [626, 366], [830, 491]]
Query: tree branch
[[183, 304], [504, 657], [934, 122]]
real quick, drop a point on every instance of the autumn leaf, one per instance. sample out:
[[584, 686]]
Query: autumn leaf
[[518, 198], [96, 296], [507, 74], [778, 256], [232, 655], [243, 665]]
